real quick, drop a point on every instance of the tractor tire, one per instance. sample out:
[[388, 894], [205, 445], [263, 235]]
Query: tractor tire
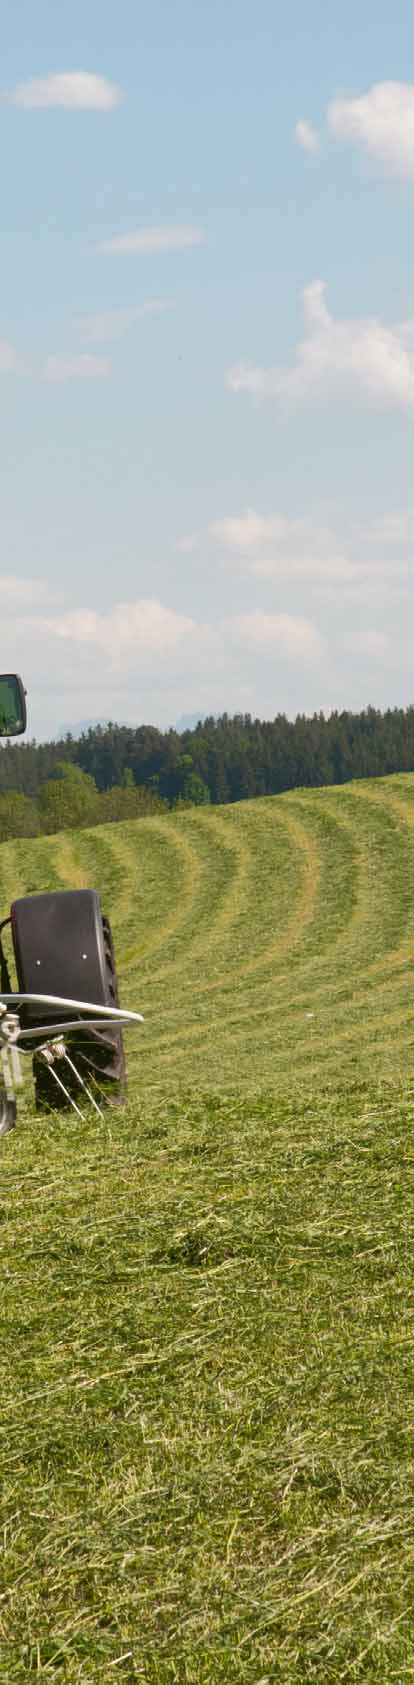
[[59, 928], [100, 1053]]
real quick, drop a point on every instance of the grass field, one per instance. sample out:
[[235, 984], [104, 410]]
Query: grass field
[[207, 1400]]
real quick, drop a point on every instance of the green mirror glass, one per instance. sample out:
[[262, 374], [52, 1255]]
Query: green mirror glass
[[12, 705]]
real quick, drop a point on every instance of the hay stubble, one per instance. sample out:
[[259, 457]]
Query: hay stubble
[[207, 1348]]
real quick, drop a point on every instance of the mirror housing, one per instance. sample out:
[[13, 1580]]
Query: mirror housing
[[13, 716]]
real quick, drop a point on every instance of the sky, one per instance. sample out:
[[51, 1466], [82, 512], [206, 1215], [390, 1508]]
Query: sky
[[206, 357]]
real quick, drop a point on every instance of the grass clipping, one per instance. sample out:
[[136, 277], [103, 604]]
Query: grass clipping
[[207, 1401]]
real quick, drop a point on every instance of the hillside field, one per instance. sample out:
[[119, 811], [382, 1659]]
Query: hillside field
[[207, 1355]]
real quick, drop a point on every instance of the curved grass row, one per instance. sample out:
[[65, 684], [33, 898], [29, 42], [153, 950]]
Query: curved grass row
[[206, 1398], [270, 942]]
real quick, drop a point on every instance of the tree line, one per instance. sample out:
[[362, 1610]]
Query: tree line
[[117, 772], [70, 799]]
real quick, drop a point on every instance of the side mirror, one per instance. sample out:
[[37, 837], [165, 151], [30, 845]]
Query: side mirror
[[13, 716]]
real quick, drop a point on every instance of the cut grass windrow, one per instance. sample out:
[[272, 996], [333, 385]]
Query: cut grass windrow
[[207, 1302], [207, 1426]]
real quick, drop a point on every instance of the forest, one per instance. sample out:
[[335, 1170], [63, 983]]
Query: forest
[[117, 772]]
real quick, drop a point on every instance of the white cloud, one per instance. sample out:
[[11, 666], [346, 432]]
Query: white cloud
[[143, 660], [187, 545], [354, 557], [290, 635], [247, 531], [145, 242], [251, 529], [7, 357], [307, 136], [17, 594], [334, 568], [108, 325], [72, 90], [145, 625], [142, 639], [301, 549], [82, 367], [296, 609], [382, 121], [359, 356], [395, 530]]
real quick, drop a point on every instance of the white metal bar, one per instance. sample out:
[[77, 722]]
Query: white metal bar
[[83, 1084], [115, 1012], [62, 1029], [65, 1091]]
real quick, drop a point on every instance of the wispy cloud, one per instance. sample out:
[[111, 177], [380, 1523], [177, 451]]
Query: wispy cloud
[[143, 660], [307, 136], [146, 625], [145, 242], [248, 531], [107, 325], [356, 557], [187, 545], [393, 531], [149, 627], [276, 547], [381, 121], [82, 367], [289, 634], [8, 358], [71, 90], [17, 594], [356, 357]]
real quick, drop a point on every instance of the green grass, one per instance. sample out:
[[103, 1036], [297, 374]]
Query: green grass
[[233, 925], [207, 1352]]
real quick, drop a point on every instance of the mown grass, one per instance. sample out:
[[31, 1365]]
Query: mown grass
[[233, 926], [207, 1353]]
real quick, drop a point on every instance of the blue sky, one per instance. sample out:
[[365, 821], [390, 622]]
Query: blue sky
[[206, 357]]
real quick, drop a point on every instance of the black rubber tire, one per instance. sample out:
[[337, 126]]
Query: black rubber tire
[[100, 1054]]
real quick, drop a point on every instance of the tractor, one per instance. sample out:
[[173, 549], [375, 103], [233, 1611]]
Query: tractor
[[65, 1014]]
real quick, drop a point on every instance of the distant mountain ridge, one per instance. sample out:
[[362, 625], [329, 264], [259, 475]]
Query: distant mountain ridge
[[76, 728], [188, 722]]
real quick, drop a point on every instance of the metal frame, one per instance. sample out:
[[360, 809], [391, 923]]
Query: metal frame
[[53, 1048]]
